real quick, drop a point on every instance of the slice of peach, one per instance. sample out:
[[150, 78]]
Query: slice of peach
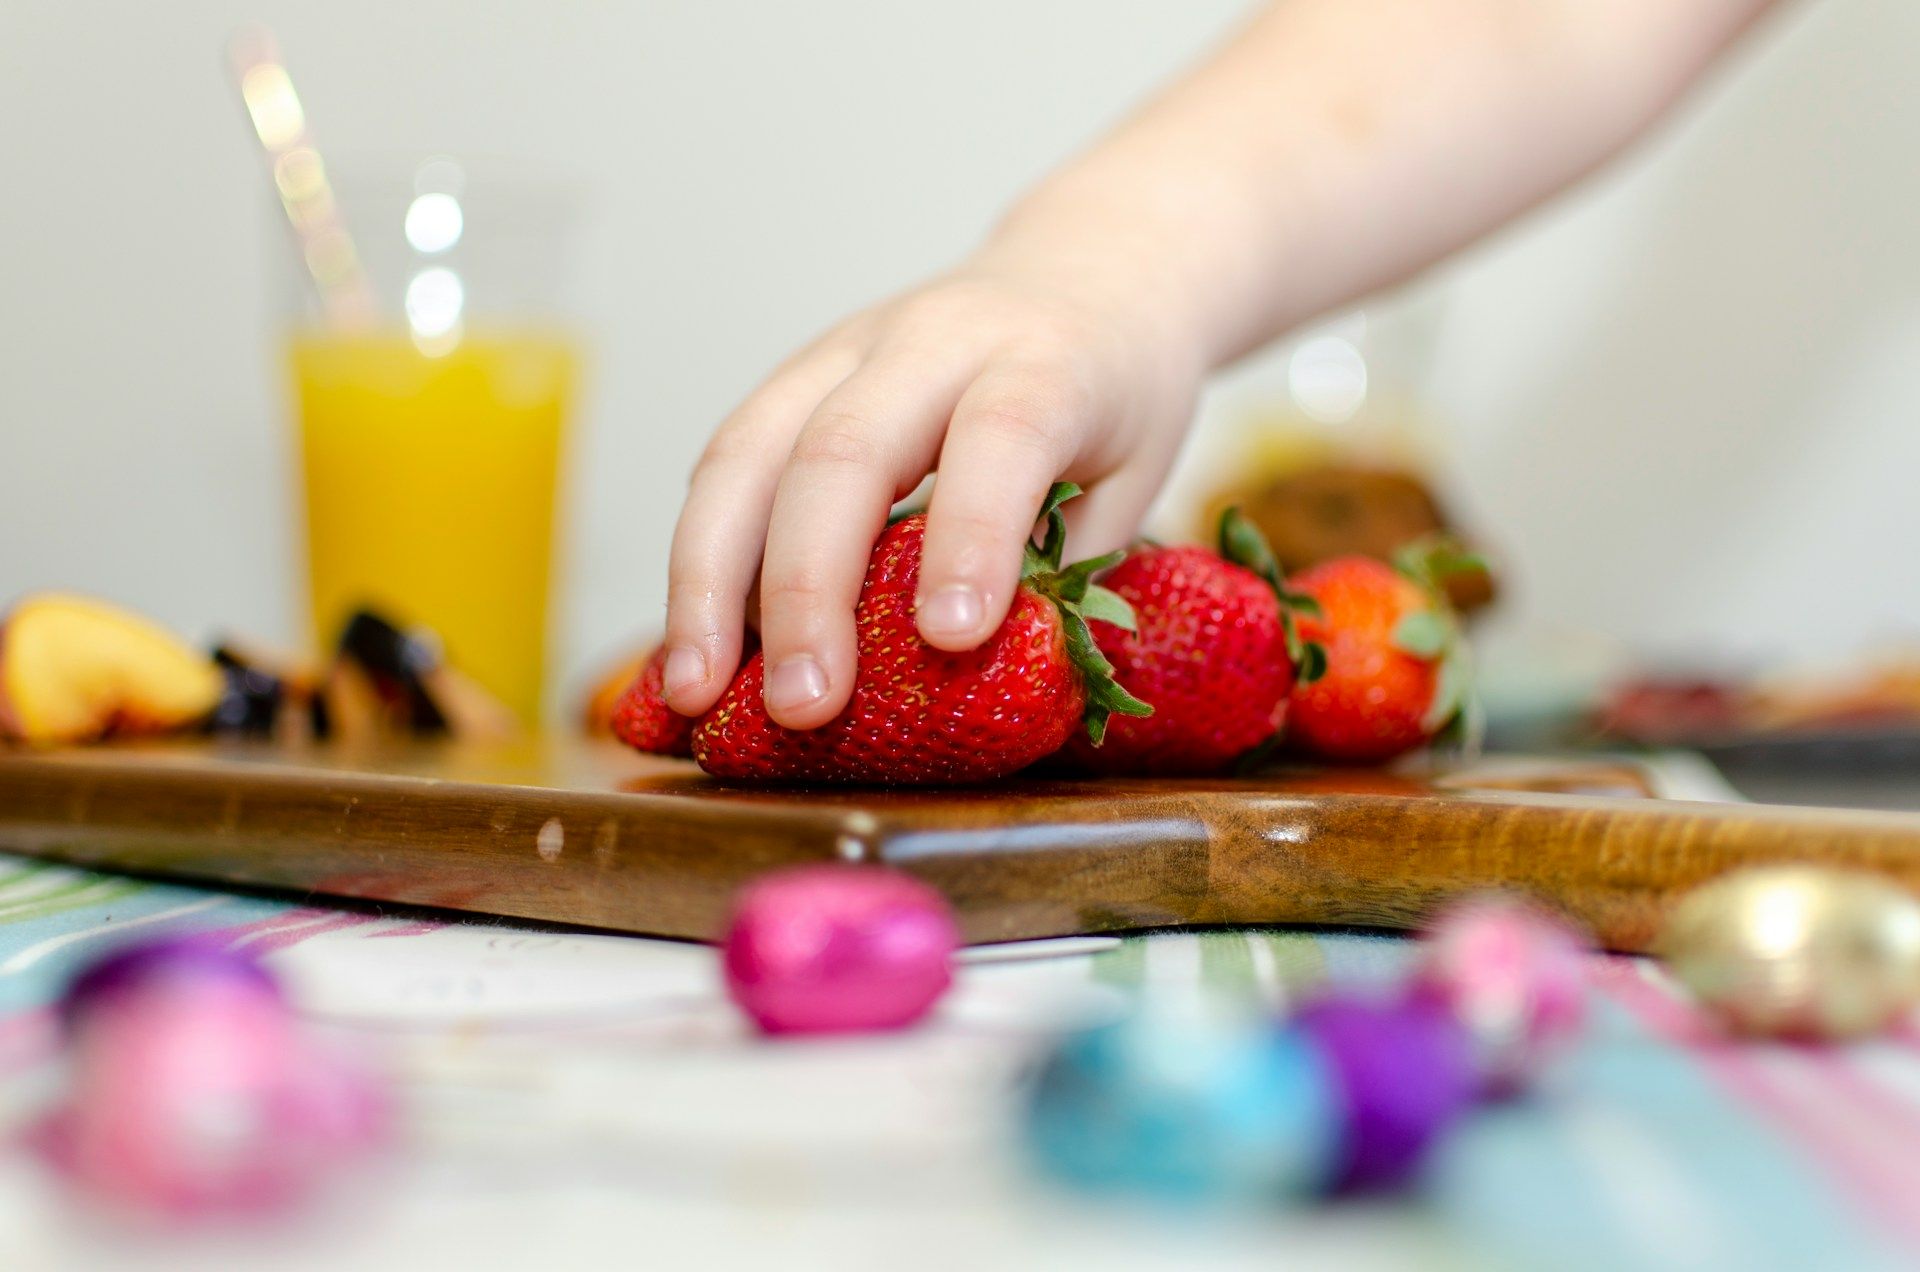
[[74, 669]]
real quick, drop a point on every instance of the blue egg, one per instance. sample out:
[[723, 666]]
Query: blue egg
[[1205, 1111]]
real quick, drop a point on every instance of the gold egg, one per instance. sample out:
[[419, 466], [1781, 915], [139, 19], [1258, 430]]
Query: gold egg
[[1798, 951]]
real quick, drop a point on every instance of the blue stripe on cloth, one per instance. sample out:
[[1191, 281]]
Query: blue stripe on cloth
[[1638, 1159], [1366, 959], [80, 913]]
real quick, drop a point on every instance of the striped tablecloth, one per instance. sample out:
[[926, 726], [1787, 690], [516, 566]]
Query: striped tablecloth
[[579, 1100]]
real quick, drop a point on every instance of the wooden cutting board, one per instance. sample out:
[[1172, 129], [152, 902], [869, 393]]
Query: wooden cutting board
[[588, 833]]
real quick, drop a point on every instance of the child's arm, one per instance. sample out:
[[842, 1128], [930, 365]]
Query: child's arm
[[1334, 147]]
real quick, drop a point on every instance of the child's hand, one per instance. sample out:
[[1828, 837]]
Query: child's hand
[[1004, 378], [1333, 148]]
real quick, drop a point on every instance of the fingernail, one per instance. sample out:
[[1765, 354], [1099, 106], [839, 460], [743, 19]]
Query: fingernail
[[685, 668], [952, 611], [796, 682]]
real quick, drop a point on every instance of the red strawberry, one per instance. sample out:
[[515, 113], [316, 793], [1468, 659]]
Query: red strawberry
[[923, 715], [643, 720], [1213, 650], [1395, 674]]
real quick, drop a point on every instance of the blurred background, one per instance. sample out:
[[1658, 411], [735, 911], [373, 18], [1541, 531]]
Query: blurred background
[[1677, 407]]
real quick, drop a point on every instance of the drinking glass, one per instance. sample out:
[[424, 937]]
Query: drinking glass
[[431, 430]]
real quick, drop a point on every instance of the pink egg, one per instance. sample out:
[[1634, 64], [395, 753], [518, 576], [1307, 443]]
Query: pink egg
[[1514, 976], [191, 1095], [838, 948]]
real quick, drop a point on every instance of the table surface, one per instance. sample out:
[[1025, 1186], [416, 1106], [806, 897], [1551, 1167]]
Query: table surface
[[576, 1099]]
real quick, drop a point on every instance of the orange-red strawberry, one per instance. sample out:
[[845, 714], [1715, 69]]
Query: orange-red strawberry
[[1213, 649], [924, 715], [643, 720], [1395, 675]]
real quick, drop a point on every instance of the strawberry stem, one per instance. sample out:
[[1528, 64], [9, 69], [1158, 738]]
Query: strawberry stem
[[1429, 562], [1078, 598], [1242, 543], [1432, 559]]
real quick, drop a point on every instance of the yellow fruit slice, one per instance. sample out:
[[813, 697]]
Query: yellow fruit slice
[[73, 669]]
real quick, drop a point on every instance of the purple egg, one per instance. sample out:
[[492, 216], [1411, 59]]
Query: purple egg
[[1403, 1072], [838, 948], [164, 963]]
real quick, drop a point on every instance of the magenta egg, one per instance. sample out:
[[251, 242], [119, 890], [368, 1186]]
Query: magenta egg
[[837, 949], [1515, 978]]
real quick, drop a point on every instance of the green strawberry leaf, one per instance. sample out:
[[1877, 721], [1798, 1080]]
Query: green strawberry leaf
[[1447, 692], [1105, 696], [1058, 494], [1053, 540], [1464, 730], [1074, 593], [1107, 606], [1434, 558], [1423, 634], [1242, 543], [1454, 715], [1073, 583], [1301, 603]]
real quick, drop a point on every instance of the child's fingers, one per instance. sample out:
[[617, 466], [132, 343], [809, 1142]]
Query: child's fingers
[[716, 544], [1015, 431], [869, 442]]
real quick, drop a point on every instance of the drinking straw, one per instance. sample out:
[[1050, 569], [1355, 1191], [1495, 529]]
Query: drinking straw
[[300, 178]]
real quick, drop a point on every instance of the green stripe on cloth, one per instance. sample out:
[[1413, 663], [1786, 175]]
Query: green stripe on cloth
[[1124, 966], [76, 895], [1298, 960], [1226, 964]]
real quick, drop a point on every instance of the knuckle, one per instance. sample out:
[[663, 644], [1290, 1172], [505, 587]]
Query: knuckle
[[1031, 421], [968, 525], [801, 587], [839, 440]]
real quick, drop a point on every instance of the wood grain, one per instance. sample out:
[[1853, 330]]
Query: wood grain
[[586, 833]]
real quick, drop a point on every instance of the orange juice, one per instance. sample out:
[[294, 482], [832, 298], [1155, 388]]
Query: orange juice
[[430, 486]]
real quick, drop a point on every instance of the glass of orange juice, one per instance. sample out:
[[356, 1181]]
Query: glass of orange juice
[[430, 434]]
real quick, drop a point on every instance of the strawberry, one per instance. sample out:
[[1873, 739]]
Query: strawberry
[[643, 720], [641, 717], [1214, 650], [924, 715], [1396, 669]]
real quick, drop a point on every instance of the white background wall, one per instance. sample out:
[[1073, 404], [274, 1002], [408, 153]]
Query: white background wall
[[1682, 403]]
